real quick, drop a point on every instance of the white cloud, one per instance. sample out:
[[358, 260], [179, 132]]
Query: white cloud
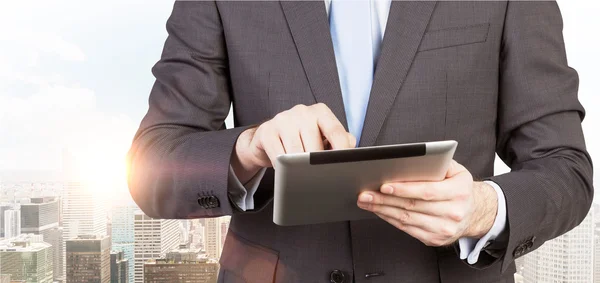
[[37, 127]]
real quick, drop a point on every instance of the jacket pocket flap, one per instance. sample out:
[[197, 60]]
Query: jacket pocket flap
[[450, 37]]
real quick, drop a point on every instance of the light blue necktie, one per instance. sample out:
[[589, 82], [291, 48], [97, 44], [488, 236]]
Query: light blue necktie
[[350, 25]]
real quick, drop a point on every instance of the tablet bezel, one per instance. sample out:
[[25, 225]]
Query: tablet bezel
[[296, 172]]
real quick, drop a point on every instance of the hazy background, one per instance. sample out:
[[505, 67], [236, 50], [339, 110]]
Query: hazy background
[[76, 75]]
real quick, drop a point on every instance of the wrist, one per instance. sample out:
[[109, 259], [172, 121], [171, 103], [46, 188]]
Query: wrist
[[241, 158], [486, 209]]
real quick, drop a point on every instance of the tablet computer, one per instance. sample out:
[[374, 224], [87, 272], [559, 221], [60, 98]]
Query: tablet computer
[[323, 186]]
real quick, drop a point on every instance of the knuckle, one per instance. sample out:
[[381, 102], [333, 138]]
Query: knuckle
[[411, 204], [428, 193], [448, 231], [299, 107], [280, 116], [457, 215], [321, 106], [463, 195], [403, 217]]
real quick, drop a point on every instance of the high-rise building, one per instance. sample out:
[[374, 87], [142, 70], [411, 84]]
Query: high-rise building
[[566, 259], [596, 223], [118, 268], [122, 233], [26, 258], [153, 239], [3, 207], [88, 259], [55, 238], [215, 231], [224, 226], [83, 214], [12, 222], [40, 216], [196, 235], [597, 254], [181, 265]]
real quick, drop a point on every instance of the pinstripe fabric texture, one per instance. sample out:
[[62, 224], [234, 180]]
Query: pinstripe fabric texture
[[491, 75]]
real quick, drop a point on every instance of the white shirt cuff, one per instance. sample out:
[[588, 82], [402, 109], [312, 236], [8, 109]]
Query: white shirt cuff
[[470, 248], [242, 195]]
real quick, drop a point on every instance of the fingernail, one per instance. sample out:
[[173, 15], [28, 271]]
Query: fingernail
[[387, 189], [365, 198]]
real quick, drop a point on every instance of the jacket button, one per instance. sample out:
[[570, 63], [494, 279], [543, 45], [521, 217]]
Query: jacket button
[[212, 202], [519, 251], [337, 276], [202, 202]]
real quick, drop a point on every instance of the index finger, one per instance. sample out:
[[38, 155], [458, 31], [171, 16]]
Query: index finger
[[332, 129], [428, 191]]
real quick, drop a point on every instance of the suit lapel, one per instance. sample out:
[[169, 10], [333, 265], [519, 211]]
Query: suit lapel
[[307, 21], [406, 25]]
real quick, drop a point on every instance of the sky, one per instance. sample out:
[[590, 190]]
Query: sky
[[76, 75]]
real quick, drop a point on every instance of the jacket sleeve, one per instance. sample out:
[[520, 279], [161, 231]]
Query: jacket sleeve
[[549, 189], [180, 156]]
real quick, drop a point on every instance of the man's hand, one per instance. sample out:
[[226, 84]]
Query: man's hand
[[300, 129], [436, 213]]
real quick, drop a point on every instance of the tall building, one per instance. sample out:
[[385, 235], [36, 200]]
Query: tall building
[[196, 235], [12, 222], [88, 259], [118, 268], [596, 208], [566, 259], [181, 265], [153, 239], [41, 216], [83, 214], [597, 254], [224, 226], [55, 238], [3, 207], [215, 231], [122, 233], [26, 258]]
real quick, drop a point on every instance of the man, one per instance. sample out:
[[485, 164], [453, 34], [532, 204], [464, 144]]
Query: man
[[491, 75]]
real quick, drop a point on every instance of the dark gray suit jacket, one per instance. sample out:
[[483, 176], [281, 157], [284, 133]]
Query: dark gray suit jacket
[[491, 75]]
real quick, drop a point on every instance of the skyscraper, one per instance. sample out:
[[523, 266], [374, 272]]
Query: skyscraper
[[3, 207], [26, 258], [83, 213], [123, 234], [54, 237], [88, 259], [215, 231], [566, 259], [118, 268], [12, 222], [196, 235], [597, 254], [153, 239], [181, 265], [41, 216]]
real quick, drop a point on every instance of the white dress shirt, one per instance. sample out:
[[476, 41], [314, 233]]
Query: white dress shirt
[[242, 195]]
